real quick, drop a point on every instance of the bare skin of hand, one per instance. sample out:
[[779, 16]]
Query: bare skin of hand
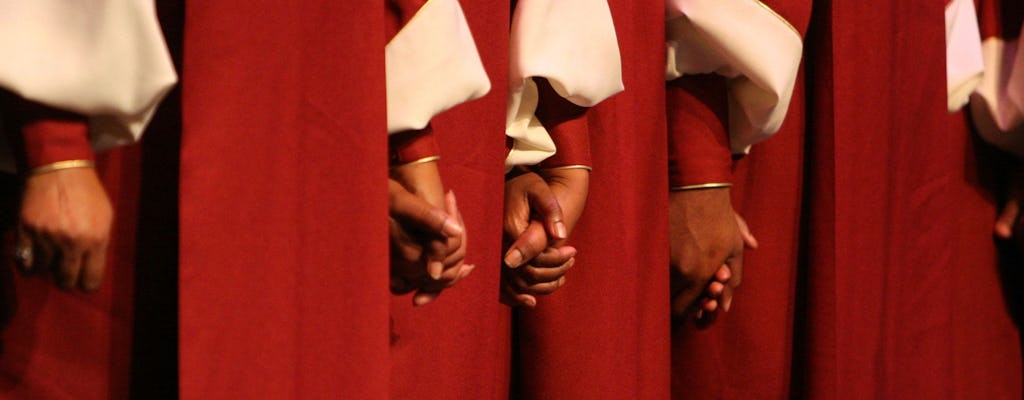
[[540, 211], [706, 245], [708, 301], [428, 239], [1009, 222], [66, 219]]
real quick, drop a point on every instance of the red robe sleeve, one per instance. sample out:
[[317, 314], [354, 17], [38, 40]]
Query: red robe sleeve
[[410, 146], [567, 125], [42, 135], [698, 142]]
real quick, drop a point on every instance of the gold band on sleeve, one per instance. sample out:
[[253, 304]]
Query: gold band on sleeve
[[420, 161], [712, 185], [575, 166], [59, 165]]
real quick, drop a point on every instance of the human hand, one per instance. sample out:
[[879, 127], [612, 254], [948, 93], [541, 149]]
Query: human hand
[[708, 302], [428, 242], [537, 259], [706, 250], [1009, 222], [64, 227]]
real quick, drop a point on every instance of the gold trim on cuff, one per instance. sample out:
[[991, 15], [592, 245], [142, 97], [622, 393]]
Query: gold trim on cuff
[[782, 19], [59, 165], [574, 166], [712, 185], [423, 160]]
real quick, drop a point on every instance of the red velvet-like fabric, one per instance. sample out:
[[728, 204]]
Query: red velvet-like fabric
[[41, 135], [901, 293], [604, 335], [406, 147], [283, 280], [568, 126], [458, 346], [698, 143]]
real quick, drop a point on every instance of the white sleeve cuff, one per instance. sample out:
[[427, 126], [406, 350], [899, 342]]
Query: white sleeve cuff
[[105, 59], [432, 65], [572, 44], [747, 42]]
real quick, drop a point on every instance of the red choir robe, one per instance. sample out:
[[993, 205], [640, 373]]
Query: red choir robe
[[283, 273], [746, 353], [902, 295], [604, 335]]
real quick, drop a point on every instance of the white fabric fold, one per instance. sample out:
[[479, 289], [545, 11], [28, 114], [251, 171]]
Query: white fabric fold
[[964, 64], [572, 44], [998, 104], [747, 42], [105, 59], [432, 65]]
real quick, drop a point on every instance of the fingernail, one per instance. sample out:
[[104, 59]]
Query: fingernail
[[560, 231], [726, 304], [513, 258], [531, 302], [451, 228], [700, 314], [422, 299], [466, 270], [435, 268]]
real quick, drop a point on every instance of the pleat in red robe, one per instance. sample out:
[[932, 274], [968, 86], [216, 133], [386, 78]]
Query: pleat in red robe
[[604, 335], [901, 295], [458, 346], [283, 279]]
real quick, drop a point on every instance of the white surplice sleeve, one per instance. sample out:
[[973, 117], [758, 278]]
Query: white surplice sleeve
[[964, 65], [572, 44], [104, 59], [745, 41], [997, 106], [432, 64]]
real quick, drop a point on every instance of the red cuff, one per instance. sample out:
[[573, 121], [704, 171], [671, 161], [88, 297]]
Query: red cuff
[[698, 148], [567, 124], [46, 135], [406, 147]]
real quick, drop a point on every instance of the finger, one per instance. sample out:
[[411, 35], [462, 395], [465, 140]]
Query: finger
[[94, 263], [463, 273], [1007, 218], [43, 253], [683, 303], [422, 298], [413, 211], [748, 239], [24, 250], [544, 203], [527, 246], [736, 266], [723, 274], [510, 298], [531, 274], [709, 305], [70, 262], [714, 290], [554, 256]]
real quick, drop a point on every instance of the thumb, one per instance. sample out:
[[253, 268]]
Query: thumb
[[545, 204], [413, 211], [1005, 222]]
